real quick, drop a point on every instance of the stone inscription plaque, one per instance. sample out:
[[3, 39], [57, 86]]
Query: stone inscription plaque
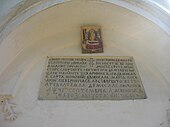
[[91, 78]]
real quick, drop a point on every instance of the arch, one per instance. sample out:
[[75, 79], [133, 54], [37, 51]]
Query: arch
[[20, 45], [55, 31], [24, 10]]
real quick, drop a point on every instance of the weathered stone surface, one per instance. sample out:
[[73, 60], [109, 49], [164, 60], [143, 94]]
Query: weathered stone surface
[[91, 78]]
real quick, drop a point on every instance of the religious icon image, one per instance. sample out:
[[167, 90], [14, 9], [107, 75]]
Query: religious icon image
[[91, 39]]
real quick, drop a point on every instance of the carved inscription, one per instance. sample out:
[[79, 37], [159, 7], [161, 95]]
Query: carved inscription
[[91, 78]]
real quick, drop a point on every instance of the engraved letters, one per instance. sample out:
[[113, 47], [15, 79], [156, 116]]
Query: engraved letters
[[91, 78]]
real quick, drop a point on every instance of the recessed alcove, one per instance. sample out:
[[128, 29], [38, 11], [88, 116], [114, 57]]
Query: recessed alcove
[[56, 32]]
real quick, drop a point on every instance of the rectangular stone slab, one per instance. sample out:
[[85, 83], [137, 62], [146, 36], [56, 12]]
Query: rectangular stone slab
[[91, 78]]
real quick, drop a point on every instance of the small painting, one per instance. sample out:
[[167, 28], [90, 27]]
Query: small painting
[[91, 39]]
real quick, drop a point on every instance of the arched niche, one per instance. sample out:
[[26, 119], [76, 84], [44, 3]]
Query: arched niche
[[56, 32]]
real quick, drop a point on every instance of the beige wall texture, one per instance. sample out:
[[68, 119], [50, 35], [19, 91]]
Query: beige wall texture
[[56, 32]]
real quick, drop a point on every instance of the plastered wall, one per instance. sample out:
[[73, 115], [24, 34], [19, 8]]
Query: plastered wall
[[56, 32]]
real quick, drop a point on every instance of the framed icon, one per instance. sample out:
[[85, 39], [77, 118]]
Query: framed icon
[[91, 39]]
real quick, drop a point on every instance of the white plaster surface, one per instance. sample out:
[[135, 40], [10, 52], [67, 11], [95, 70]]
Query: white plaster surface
[[19, 10], [56, 32]]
